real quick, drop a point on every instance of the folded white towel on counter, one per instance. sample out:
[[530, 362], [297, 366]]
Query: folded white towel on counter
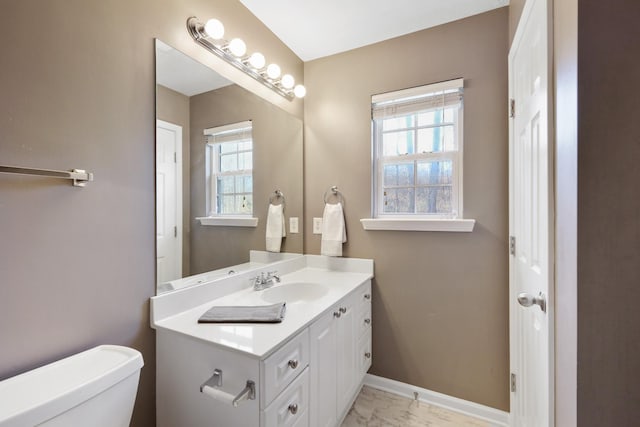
[[334, 232], [275, 228], [245, 314]]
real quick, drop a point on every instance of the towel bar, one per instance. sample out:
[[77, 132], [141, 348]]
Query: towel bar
[[211, 388], [79, 176]]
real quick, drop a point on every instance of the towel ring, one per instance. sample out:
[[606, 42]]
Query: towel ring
[[334, 191], [278, 195]]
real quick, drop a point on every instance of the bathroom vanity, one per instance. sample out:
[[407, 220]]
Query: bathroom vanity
[[305, 371]]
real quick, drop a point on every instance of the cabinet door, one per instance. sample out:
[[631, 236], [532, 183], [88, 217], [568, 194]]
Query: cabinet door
[[346, 353], [323, 371]]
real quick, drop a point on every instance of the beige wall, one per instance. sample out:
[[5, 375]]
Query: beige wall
[[173, 107], [277, 154], [515, 11], [77, 266], [440, 299], [608, 213]]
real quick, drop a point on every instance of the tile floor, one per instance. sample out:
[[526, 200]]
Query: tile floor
[[376, 408]]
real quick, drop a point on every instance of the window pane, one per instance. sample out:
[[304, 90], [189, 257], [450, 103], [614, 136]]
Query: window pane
[[398, 175], [239, 184], [448, 139], [434, 200], [244, 204], [225, 184], [248, 184], [436, 117], [228, 147], [397, 123], [226, 204], [399, 200], [436, 139], [397, 143], [228, 162], [435, 172], [245, 161], [244, 145]]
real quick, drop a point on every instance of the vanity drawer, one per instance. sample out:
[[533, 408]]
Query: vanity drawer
[[364, 357], [283, 366], [364, 294], [364, 321], [291, 408]]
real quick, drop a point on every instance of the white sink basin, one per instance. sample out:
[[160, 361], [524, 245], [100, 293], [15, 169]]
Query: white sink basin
[[294, 292]]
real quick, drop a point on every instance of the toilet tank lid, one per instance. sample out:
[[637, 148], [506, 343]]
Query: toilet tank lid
[[39, 394]]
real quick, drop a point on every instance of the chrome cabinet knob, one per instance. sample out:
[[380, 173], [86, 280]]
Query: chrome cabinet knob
[[367, 355], [343, 310], [293, 363], [527, 300], [367, 321], [293, 408], [336, 314]]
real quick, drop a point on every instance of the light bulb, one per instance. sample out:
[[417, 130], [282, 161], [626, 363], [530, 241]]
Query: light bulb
[[287, 81], [237, 47], [273, 71], [214, 29], [257, 60], [300, 91]]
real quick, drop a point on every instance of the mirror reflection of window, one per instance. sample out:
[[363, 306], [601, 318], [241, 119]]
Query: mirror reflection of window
[[229, 169]]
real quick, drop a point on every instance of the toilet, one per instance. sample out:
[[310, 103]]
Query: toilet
[[94, 388]]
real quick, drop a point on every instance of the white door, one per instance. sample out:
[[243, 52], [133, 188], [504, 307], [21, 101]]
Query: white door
[[531, 268], [168, 201]]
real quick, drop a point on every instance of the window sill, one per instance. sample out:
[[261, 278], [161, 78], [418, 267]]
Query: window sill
[[402, 224], [228, 221]]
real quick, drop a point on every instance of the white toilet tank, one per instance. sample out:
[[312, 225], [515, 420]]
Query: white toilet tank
[[94, 388]]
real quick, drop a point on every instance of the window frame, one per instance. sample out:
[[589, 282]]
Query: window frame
[[213, 170], [379, 161]]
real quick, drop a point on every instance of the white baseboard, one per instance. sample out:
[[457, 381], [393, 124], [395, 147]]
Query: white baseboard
[[494, 416]]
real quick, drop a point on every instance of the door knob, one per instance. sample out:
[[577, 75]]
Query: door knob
[[527, 300]]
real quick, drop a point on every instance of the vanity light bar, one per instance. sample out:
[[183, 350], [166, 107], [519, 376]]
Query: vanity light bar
[[210, 35]]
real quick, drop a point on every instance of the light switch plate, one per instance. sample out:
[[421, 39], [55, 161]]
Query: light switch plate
[[293, 225], [317, 225]]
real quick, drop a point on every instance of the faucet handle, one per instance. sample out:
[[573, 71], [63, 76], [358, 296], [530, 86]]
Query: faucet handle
[[273, 275]]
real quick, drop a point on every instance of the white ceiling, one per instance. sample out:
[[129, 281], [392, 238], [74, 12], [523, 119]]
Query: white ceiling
[[317, 28]]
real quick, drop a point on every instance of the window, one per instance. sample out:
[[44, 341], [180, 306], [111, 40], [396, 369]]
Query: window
[[417, 146], [229, 169]]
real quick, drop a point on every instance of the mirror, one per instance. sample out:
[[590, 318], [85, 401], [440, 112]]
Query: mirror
[[191, 100]]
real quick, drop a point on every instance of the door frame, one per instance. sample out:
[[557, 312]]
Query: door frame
[[179, 184], [550, 297]]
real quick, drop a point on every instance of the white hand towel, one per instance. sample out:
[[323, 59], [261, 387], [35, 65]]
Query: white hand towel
[[275, 228], [334, 232]]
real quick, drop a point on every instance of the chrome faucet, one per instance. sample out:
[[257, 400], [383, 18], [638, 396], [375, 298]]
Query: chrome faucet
[[261, 282]]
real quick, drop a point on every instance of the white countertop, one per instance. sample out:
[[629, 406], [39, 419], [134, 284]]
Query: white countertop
[[260, 340]]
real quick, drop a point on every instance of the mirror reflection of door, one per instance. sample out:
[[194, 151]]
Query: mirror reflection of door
[[169, 201]]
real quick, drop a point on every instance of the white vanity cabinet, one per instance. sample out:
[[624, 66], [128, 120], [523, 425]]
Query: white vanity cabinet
[[340, 356], [305, 371], [281, 384]]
